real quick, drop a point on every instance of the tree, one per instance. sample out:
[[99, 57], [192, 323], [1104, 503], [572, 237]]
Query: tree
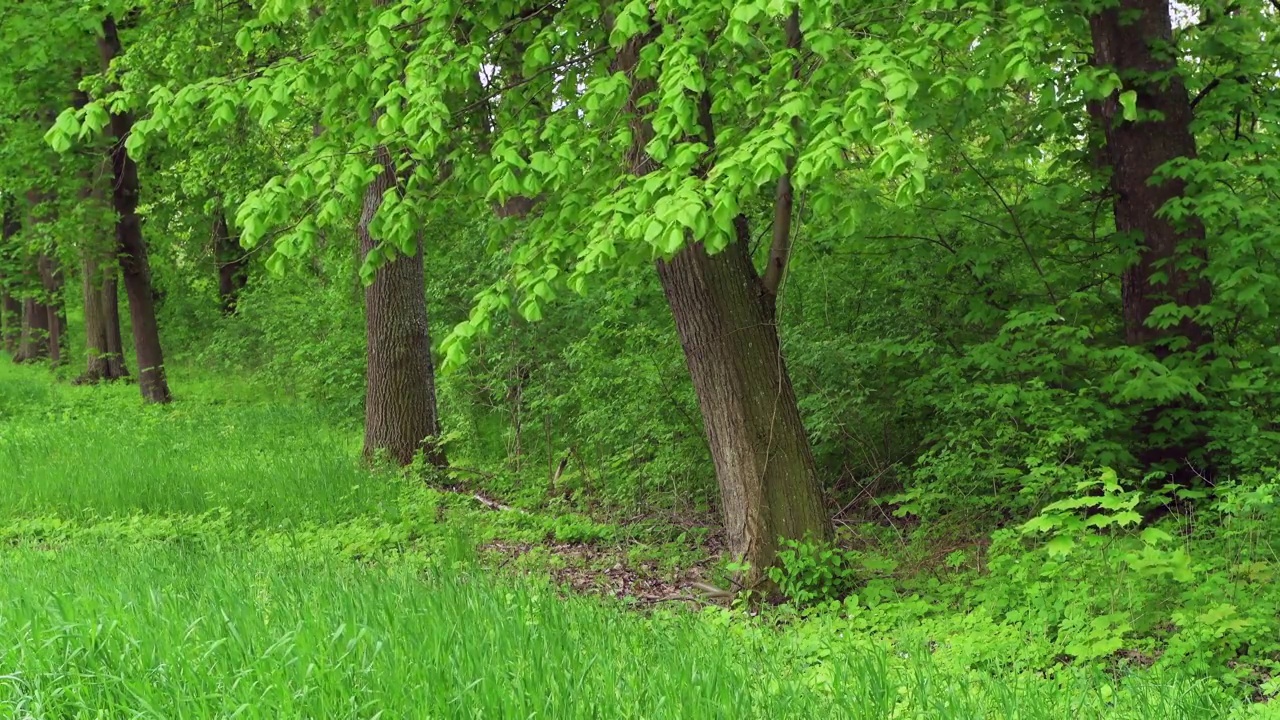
[[1147, 126], [400, 393], [724, 313], [132, 248], [233, 266]]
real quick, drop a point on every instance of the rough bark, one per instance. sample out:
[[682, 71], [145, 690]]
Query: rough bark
[[132, 247], [764, 464], [1134, 38], [400, 391], [232, 263]]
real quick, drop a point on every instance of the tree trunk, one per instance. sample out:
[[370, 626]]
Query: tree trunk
[[400, 389], [132, 247], [97, 366], [33, 343], [111, 315], [10, 306], [764, 464], [51, 280], [11, 320], [1135, 39], [232, 263]]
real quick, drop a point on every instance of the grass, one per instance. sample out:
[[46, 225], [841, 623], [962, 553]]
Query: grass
[[80, 451], [168, 632], [230, 558]]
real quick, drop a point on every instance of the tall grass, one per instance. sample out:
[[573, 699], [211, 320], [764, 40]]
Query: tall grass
[[222, 605], [162, 632], [75, 452]]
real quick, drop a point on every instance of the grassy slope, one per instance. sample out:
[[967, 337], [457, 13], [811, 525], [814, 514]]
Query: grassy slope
[[200, 561]]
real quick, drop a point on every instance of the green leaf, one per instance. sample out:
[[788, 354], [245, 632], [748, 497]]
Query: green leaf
[[1129, 105]]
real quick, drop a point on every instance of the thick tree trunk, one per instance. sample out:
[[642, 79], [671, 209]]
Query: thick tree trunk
[[33, 344], [132, 247], [232, 263], [768, 481], [1135, 39], [51, 280], [764, 464], [400, 391], [97, 366]]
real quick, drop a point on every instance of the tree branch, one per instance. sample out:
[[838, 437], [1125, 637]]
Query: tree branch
[[784, 197]]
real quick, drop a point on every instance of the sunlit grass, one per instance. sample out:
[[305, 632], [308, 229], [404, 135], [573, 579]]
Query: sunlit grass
[[143, 631], [232, 558], [75, 451]]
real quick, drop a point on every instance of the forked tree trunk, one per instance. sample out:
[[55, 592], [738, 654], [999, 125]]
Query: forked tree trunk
[[769, 487], [232, 263], [764, 464], [1135, 39], [132, 248], [400, 391]]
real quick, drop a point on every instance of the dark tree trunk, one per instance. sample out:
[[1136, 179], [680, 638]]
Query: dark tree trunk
[[132, 247], [10, 306], [768, 481], [232, 263], [111, 315], [33, 343], [11, 320], [1135, 39], [400, 389], [51, 279]]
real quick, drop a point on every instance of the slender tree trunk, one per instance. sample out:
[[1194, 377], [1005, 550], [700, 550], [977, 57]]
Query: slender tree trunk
[[11, 318], [400, 391], [10, 306], [132, 247], [51, 280], [232, 263], [111, 315], [764, 464], [1135, 39], [101, 318]]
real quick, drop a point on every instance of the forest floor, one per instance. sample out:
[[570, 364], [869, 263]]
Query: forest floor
[[230, 556]]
